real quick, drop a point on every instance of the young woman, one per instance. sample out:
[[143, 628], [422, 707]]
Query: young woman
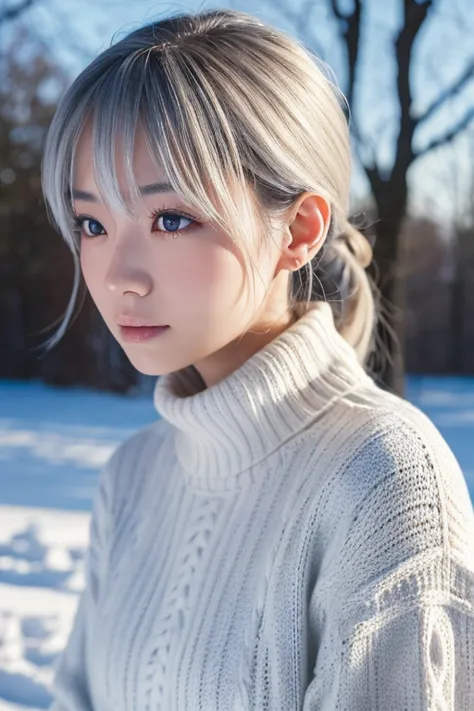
[[288, 535]]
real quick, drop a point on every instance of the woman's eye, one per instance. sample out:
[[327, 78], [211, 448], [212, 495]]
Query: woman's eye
[[164, 222], [90, 227], [170, 222]]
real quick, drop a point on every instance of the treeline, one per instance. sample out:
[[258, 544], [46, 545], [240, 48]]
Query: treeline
[[36, 271]]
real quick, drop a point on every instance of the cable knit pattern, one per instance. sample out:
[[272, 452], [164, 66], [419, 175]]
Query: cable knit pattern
[[292, 538], [175, 604]]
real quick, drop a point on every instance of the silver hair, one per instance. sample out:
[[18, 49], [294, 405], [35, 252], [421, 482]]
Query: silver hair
[[224, 100]]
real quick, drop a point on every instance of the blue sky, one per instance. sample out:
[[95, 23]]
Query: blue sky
[[444, 47]]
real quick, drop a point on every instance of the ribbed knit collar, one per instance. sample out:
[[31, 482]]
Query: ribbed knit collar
[[225, 429]]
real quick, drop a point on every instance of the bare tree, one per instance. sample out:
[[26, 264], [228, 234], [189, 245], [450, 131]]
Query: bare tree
[[389, 186]]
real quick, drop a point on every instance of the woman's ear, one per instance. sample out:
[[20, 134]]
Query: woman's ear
[[305, 230]]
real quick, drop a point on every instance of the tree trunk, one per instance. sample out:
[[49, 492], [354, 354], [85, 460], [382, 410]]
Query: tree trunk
[[457, 311], [389, 364]]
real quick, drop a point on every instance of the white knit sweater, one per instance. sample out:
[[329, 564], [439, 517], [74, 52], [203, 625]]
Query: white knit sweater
[[292, 538]]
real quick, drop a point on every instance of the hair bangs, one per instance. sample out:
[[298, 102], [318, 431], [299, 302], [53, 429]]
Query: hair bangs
[[114, 121], [188, 136], [191, 138]]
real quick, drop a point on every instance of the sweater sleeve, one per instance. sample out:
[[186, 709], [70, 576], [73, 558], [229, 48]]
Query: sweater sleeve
[[395, 618], [70, 687]]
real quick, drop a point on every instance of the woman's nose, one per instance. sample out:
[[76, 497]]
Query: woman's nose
[[127, 274]]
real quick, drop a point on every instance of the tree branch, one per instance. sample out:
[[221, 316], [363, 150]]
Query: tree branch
[[415, 14], [448, 93], [12, 13], [349, 27], [449, 135], [336, 11]]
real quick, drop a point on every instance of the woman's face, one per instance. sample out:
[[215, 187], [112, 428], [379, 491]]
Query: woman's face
[[176, 271]]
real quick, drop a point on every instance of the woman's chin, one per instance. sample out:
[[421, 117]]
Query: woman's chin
[[146, 365]]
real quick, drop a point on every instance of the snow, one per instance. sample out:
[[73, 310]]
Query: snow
[[53, 443]]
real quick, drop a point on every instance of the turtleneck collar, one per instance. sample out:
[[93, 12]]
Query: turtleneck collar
[[224, 430]]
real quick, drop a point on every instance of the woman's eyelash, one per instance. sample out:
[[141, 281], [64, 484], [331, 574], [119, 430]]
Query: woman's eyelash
[[79, 220], [156, 214]]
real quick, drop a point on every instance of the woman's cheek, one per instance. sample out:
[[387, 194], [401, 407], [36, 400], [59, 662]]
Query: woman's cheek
[[92, 269], [211, 268]]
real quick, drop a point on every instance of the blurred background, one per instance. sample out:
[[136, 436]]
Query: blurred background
[[407, 69]]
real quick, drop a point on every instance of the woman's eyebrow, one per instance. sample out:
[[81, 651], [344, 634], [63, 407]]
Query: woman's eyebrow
[[144, 190]]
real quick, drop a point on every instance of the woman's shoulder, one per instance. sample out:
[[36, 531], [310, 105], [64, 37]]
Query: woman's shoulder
[[402, 488], [396, 508], [399, 442], [389, 431]]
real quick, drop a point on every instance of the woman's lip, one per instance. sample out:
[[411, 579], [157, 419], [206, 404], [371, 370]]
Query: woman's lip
[[124, 320], [137, 334]]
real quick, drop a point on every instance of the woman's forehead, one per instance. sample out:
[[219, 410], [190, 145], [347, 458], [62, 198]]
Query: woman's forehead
[[146, 170]]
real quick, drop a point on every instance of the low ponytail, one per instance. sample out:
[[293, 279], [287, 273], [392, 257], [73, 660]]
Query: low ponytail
[[337, 274]]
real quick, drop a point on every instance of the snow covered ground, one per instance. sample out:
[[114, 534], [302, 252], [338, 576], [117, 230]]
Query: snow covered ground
[[53, 443]]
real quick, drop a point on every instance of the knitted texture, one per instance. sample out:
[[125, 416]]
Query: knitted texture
[[292, 538]]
